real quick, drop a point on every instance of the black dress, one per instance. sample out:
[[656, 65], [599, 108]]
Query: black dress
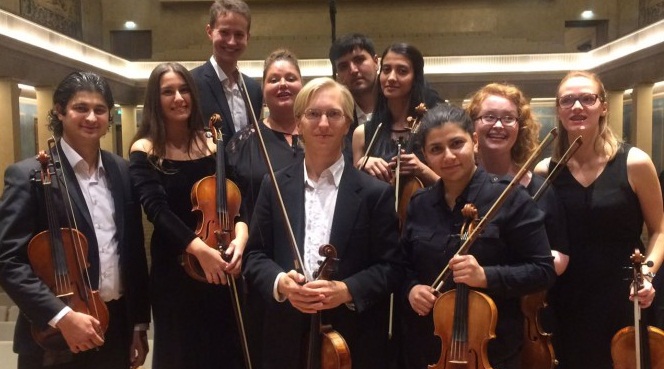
[[246, 165], [194, 325], [590, 299], [513, 250]]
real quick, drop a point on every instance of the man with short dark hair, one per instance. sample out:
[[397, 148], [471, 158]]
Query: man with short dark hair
[[356, 63]]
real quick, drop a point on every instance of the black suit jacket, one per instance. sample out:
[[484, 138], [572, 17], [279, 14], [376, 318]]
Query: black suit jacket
[[213, 100], [364, 232], [22, 215]]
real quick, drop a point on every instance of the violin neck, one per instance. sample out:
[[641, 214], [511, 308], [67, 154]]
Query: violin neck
[[313, 353]]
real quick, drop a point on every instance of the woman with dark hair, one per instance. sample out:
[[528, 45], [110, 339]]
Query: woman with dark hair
[[194, 323], [104, 210], [402, 89], [609, 190], [510, 258]]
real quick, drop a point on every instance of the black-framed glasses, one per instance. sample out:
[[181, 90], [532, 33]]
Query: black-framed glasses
[[315, 115], [491, 119], [568, 101]]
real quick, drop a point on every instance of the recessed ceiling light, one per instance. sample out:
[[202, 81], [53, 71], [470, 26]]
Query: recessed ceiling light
[[587, 14], [130, 25]]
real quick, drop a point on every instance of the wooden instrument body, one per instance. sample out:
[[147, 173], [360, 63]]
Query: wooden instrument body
[[209, 227], [537, 351], [480, 329]]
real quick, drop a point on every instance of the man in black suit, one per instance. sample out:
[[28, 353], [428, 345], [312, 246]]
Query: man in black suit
[[327, 201], [218, 80], [356, 63], [105, 212]]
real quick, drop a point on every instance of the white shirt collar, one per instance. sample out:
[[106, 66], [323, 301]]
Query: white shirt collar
[[336, 170], [76, 160], [220, 72]]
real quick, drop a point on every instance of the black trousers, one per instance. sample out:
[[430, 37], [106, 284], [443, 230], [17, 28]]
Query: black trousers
[[113, 354]]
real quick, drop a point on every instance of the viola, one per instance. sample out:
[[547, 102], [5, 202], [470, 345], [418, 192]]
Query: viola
[[464, 319], [58, 257], [324, 344], [217, 201], [639, 346]]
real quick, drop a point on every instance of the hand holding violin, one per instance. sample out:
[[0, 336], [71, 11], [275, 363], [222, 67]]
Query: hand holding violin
[[410, 164], [210, 260], [646, 294], [80, 331], [377, 167], [421, 298], [465, 269], [303, 298]]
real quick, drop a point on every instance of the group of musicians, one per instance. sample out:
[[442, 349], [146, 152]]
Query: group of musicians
[[341, 151]]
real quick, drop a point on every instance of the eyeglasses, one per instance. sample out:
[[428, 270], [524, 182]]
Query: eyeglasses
[[506, 120], [568, 101], [315, 115]]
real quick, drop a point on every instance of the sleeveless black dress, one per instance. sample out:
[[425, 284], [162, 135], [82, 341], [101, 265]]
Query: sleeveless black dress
[[194, 325], [590, 299]]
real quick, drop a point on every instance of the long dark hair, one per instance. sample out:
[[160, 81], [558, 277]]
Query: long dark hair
[[152, 124], [419, 93]]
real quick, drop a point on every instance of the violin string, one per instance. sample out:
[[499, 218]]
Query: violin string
[[76, 236]]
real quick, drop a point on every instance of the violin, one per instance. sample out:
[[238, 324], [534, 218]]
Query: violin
[[326, 348], [453, 329], [639, 346], [405, 190], [537, 351], [465, 329], [334, 352], [217, 200], [58, 257]]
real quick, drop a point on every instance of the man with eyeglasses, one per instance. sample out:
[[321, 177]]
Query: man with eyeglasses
[[327, 201]]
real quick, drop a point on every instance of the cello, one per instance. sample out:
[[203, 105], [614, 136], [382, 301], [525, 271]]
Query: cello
[[326, 348], [639, 346], [217, 200], [58, 257], [537, 351]]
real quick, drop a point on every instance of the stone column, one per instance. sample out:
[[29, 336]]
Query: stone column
[[641, 127], [615, 119], [10, 125], [44, 106], [128, 127]]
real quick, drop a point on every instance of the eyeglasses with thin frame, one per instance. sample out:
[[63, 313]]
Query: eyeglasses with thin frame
[[568, 101], [315, 115], [491, 119]]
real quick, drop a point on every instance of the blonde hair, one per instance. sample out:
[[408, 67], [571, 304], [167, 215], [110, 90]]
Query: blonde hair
[[528, 133], [606, 141], [318, 84]]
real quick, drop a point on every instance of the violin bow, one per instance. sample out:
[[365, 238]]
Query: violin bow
[[474, 234], [559, 165], [371, 143]]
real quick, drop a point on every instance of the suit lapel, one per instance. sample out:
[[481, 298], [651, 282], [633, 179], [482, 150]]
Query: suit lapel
[[74, 191], [292, 189], [115, 185], [346, 209], [219, 96]]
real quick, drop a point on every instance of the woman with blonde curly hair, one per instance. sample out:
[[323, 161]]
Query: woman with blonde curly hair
[[507, 134]]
